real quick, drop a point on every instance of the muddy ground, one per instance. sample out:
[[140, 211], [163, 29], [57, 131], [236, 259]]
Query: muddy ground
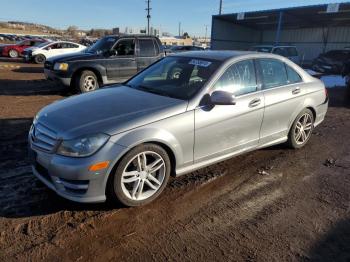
[[297, 210]]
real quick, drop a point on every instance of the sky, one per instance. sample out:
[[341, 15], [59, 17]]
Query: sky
[[194, 15]]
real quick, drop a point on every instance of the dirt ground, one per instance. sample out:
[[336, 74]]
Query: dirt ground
[[298, 209]]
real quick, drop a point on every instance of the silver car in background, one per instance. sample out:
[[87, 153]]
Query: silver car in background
[[184, 112]]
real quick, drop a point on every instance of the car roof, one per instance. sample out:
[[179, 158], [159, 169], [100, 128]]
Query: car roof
[[214, 55], [274, 46]]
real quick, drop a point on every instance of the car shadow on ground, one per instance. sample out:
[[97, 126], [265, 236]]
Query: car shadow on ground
[[12, 60], [339, 97], [32, 87], [21, 193], [334, 246], [29, 69]]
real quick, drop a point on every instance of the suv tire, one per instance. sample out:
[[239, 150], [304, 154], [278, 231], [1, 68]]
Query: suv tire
[[86, 81]]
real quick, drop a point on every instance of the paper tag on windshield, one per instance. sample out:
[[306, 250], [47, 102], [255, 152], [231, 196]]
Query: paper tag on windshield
[[200, 63]]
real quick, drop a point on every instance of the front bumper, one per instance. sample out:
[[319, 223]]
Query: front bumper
[[70, 177], [53, 76]]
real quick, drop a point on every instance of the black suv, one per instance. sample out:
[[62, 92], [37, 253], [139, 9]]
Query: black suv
[[112, 59]]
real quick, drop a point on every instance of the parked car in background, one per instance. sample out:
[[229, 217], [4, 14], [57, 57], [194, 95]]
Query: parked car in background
[[331, 62], [123, 143], [46, 50], [185, 48], [15, 50], [291, 52], [113, 59]]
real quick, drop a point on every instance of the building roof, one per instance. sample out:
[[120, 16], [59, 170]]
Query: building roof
[[294, 17]]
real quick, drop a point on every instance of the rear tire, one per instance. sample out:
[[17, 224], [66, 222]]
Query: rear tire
[[13, 53], [140, 177], [301, 130], [86, 82], [39, 59]]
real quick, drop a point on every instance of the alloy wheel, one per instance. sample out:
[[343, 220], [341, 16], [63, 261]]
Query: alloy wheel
[[13, 54], [90, 83], [303, 129], [143, 175]]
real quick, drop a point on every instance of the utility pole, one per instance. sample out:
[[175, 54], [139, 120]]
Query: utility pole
[[220, 8], [179, 29], [148, 9], [206, 31]]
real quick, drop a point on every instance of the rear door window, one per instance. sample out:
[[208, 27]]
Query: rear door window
[[292, 51], [293, 77], [238, 79], [280, 51], [147, 47], [273, 73]]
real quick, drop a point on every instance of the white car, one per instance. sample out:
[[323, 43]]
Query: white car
[[46, 50]]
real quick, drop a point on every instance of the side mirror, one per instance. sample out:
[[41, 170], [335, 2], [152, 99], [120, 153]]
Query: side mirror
[[222, 98]]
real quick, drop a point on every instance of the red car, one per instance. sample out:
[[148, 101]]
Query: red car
[[16, 50]]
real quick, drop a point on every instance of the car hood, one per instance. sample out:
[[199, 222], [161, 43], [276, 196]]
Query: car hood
[[111, 111], [80, 56]]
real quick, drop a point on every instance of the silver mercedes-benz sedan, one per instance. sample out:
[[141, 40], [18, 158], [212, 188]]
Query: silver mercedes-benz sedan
[[180, 114]]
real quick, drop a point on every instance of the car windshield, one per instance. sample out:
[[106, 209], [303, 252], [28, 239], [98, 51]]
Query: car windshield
[[102, 45], [176, 77], [264, 49]]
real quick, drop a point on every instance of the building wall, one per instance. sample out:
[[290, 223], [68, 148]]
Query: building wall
[[309, 41], [228, 36]]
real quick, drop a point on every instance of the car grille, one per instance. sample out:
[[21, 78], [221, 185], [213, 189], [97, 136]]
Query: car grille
[[43, 137], [48, 65]]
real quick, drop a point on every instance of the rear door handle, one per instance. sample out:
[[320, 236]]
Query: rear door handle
[[296, 91], [255, 102]]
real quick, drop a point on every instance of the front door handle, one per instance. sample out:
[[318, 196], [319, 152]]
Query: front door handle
[[296, 91], [255, 102]]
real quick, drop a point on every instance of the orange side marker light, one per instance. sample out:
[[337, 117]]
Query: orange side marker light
[[99, 166]]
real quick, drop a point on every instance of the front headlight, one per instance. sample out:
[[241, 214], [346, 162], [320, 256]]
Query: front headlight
[[61, 66], [82, 146]]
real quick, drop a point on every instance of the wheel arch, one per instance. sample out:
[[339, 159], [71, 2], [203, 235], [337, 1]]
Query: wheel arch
[[95, 70], [116, 162]]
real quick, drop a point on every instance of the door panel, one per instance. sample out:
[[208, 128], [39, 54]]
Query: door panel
[[123, 65], [284, 98], [148, 53], [282, 104], [225, 129]]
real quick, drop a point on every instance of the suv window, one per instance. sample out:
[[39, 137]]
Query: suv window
[[293, 77], [238, 79], [273, 73], [280, 51], [147, 47], [292, 51], [125, 47]]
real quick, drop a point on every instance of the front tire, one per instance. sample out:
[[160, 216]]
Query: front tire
[[39, 59], [301, 129], [13, 53], [86, 82], [140, 176]]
